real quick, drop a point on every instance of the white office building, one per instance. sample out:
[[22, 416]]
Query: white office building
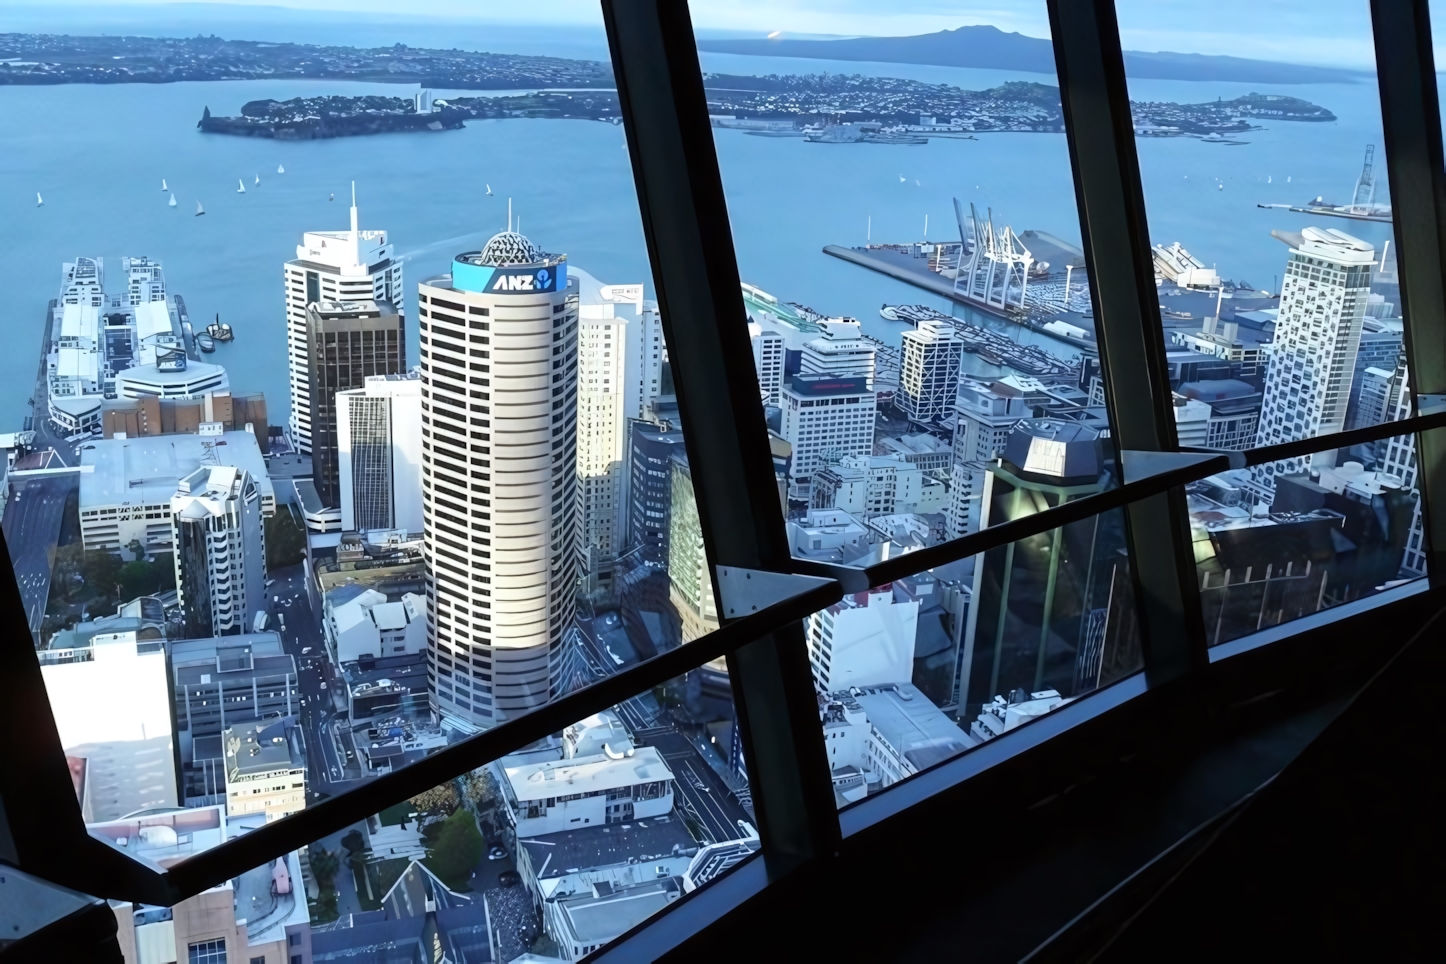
[[929, 380], [986, 414], [1313, 356], [192, 379], [379, 453], [825, 418], [619, 369], [620, 786], [874, 485], [499, 486], [878, 735], [126, 484], [363, 624], [220, 548], [865, 639], [769, 348], [840, 349], [353, 265]]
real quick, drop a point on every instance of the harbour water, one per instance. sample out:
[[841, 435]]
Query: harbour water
[[98, 154]]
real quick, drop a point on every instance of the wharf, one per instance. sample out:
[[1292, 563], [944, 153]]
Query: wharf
[[929, 281]]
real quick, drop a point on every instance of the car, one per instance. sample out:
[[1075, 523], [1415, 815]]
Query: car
[[496, 853], [323, 686], [509, 878], [305, 650], [268, 584]]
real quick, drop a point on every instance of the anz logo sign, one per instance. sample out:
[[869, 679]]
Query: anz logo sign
[[529, 279]]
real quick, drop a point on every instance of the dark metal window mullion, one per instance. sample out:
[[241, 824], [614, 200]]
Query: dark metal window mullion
[[1411, 121], [695, 274], [1100, 133]]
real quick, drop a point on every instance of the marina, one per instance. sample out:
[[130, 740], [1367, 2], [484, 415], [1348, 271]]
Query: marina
[[990, 346]]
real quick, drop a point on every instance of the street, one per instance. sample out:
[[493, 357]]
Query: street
[[32, 527]]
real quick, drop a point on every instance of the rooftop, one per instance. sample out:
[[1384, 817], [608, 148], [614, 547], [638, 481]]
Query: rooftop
[[914, 727], [586, 775], [147, 470], [590, 848], [263, 746]]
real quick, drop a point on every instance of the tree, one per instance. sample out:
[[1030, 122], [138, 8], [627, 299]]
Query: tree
[[481, 787], [285, 542], [441, 798], [456, 852]]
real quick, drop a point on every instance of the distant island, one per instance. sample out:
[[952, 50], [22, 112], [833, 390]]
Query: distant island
[[990, 47], [831, 108], [58, 59]]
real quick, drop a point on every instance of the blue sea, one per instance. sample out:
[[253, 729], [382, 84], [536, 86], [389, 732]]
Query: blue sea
[[98, 153]]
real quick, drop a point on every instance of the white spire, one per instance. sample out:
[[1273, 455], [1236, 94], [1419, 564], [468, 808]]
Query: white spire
[[509, 214], [355, 231]]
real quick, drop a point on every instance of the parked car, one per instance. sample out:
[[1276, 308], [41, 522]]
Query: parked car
[[509, 878], [496, 853]]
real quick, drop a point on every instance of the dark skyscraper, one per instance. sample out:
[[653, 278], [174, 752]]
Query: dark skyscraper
[[346, 342]]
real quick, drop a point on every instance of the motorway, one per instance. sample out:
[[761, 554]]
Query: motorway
[[32, 527]]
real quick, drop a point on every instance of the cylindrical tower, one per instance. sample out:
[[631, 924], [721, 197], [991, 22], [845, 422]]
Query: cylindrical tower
[[499, 444]]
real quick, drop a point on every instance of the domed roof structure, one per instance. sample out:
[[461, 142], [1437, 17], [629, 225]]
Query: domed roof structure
[[509, 248]]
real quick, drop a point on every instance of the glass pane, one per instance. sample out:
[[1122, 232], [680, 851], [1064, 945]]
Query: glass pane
[[355, 443], [600, 826], [267, 912], [1266, 189], [921, 670], [1344, 526], [893, 370]]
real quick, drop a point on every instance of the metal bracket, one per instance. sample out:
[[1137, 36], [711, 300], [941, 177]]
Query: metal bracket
[[746, 591], [1141, 465], [1430, 404]]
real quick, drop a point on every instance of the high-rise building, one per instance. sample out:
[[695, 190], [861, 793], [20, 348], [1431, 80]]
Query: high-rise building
[[83, 282], [353, 265], [1038, 606], [379, 453], [929, 380], [1313, 355], [865, 639], [619, 365], [1398, 459], [1192, 421], [346, 341], [825, 417], [499, 478], [769, 349], [691, 581], [986, 414], [650, 487], [220, 552]]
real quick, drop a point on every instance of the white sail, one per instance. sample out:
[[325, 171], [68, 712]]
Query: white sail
[[38, 199], [172, 202], [199, 210], [163, 185], [240, 186], [280, 169], [258, 179]]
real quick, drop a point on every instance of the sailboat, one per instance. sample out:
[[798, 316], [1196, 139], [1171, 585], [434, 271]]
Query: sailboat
[[38, 199], [1268, 179], [172, 202], [240, 186], [280, 169], [258, 179], [199, 210], [331, 197], [489, 190], [163, 185]]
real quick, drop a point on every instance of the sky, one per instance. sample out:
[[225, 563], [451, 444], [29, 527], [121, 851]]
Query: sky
[[1328, 32]]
